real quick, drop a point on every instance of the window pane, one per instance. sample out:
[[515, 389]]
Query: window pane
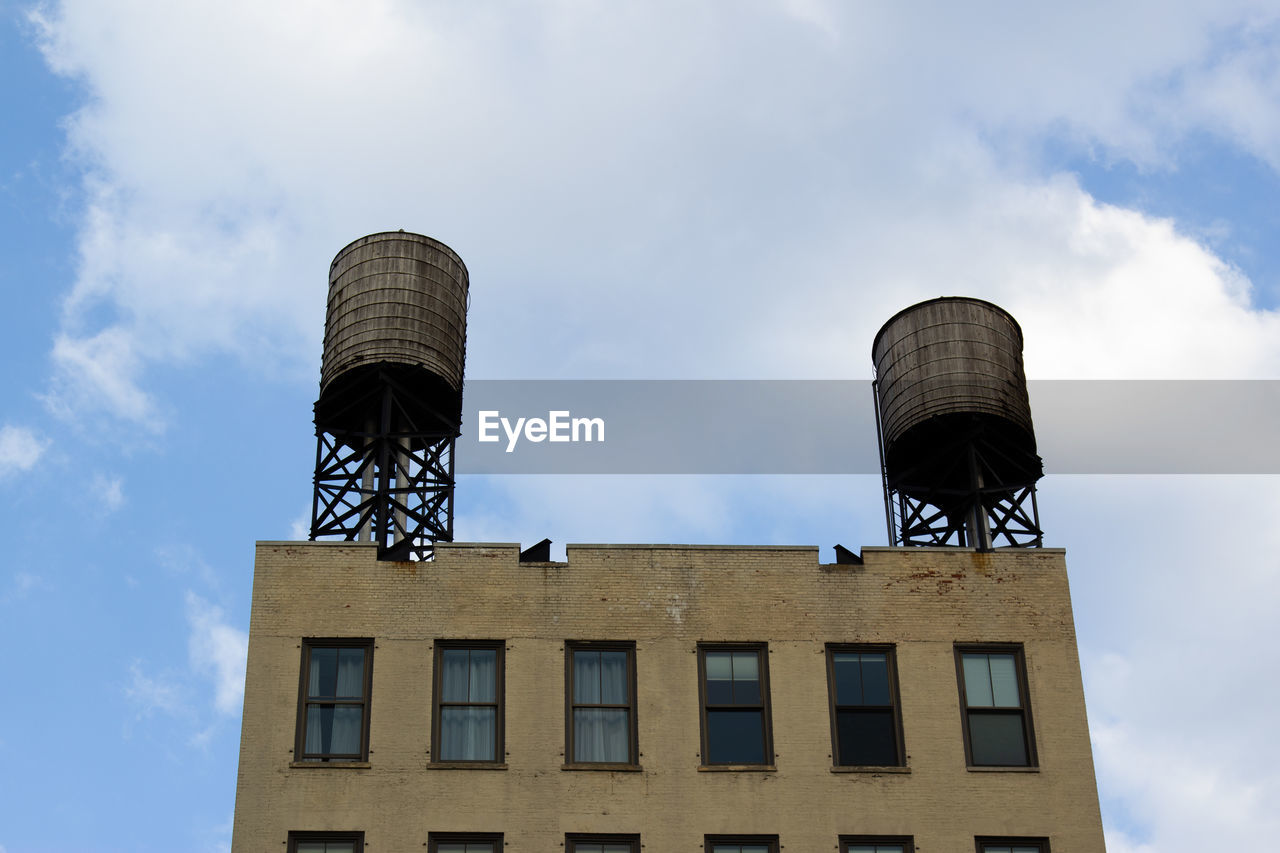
[[613, 678], [451, 848], [322, 678], [848, 675], [319, 729], [615, 848], [991, 848], [735, 737], [333, 729], [746, 678], [997, 739], [455, 674], [347, 721], [977, 681], [311, 847], [586, 677], [467, 734], [601, 734], [1004, 682], [755, 848], [867, 737], [350, 681], [719, 678], [875, 679], [484, 670]]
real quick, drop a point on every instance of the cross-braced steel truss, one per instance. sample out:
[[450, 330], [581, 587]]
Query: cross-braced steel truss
[[984, 519], [390, 483], [970, 489]]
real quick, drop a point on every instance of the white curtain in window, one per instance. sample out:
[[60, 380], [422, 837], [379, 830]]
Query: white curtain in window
[[484, 669], [346, 730], [600, 734], [468, 734], [613, 678], [350, 673], [454, 676], [586, 678]]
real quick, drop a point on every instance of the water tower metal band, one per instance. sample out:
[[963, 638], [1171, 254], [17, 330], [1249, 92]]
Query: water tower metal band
[[390, 406]]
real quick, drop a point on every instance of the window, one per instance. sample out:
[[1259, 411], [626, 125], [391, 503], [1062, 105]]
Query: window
[[742, 844], [866, 728], [876, 844], [468, 702], [1013, 845], [464, 842], [575, 843], [326, 842], [333, 703], [997, 715], [735, 704], [600, 689]]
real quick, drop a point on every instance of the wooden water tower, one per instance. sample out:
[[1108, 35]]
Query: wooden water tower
[[390, 404], [957, 449]]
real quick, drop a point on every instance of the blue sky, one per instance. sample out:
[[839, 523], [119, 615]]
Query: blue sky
[[749, 194]]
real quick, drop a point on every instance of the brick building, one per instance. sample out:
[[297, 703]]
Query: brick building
[[683, 698]]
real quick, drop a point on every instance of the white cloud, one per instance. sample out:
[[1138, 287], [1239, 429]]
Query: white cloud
[[108, 492], [151, 695], [300, 527], [99, 374], [1175, 630], [20, 449], [217, 650], [181, 559], [23, 584]]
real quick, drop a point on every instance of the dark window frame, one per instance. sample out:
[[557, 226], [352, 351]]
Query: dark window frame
[[908, 842], [1024, 697], [435, 839], [572, 839], [366, 702], [766, 712], [499, 703], [980, 843], [709, 841], [895, 708], [633, 739], [295, 837]]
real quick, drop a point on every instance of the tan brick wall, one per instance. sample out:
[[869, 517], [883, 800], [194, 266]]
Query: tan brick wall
[[666, 599]]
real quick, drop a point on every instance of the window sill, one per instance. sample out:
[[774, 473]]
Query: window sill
[[465, 765], [869, 768], [984, 769], [737, 768], [334, 765], [616, 768]]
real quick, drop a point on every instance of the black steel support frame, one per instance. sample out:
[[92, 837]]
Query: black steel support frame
[[928, 521], [982, 514], [390, 483]]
